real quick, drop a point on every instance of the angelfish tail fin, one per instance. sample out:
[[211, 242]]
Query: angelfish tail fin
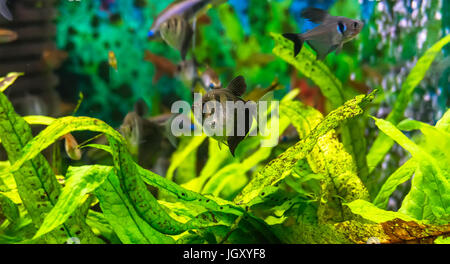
[[297, 39]]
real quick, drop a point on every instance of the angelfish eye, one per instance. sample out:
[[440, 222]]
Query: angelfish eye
[[341, 27], [355, 25]]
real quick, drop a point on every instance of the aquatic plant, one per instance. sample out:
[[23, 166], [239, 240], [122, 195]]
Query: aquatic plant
[[310, 193], [325, 186]]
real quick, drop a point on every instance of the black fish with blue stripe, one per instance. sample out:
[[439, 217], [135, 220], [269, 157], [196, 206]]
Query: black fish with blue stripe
[[327, 37]]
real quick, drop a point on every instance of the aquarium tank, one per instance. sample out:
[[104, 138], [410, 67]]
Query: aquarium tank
[[224, 121]]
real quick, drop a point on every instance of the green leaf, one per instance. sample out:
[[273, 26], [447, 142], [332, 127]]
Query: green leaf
[[80, 181], [136, 191], [435, 137], [7, 81], [278, 169], [9, 209], [39, 120], [57, 129], [36, 182], [101, 227], [98, 146], [209, 202], [400, 176], [383, 143], [330, 159], [8, 185], [444, 123], [143, 201], [218, 182], [187, 170], [306, 62], [430, 183], [217, 156], [442, 240], [370, 212], [123, 218]]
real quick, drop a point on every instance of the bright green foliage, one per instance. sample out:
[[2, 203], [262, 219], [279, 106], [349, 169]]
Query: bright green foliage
[[430, 191], [329, 159], [8, 209], [36, 183], [400, 176], [383, 143], [405, 172], [123, 218], [279, 168], [311, 191], [182, 153], [332, 89], [80, 182], [373, 213], [5, 82]]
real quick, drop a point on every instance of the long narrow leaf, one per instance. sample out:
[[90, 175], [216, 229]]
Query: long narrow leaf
[[383, 143], [81, 181]]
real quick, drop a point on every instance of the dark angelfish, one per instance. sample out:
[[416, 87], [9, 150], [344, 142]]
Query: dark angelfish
[[232, 93], [329, 36], [5, 11]]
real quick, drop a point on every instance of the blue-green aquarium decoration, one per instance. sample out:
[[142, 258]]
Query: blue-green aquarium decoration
[[224, 121]]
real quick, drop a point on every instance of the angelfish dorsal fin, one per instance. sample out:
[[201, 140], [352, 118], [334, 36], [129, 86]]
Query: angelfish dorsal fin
[[237, 86], [315, 15], [140, 107]]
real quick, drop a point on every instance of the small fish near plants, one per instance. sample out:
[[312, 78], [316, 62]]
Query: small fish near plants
[[349, 173]]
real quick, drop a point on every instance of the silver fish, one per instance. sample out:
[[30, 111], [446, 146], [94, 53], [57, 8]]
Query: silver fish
[[329, 36], [233, 93], [5, 11], [188, 73], [177, 33], [187, 9]]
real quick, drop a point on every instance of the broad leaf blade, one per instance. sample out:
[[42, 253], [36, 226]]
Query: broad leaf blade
[[123, 218], [332, 89], [400, 176], [432, 181], [81, 181], [36, 182]]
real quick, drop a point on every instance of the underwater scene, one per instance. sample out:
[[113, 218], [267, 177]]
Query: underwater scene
[[224, 122]]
